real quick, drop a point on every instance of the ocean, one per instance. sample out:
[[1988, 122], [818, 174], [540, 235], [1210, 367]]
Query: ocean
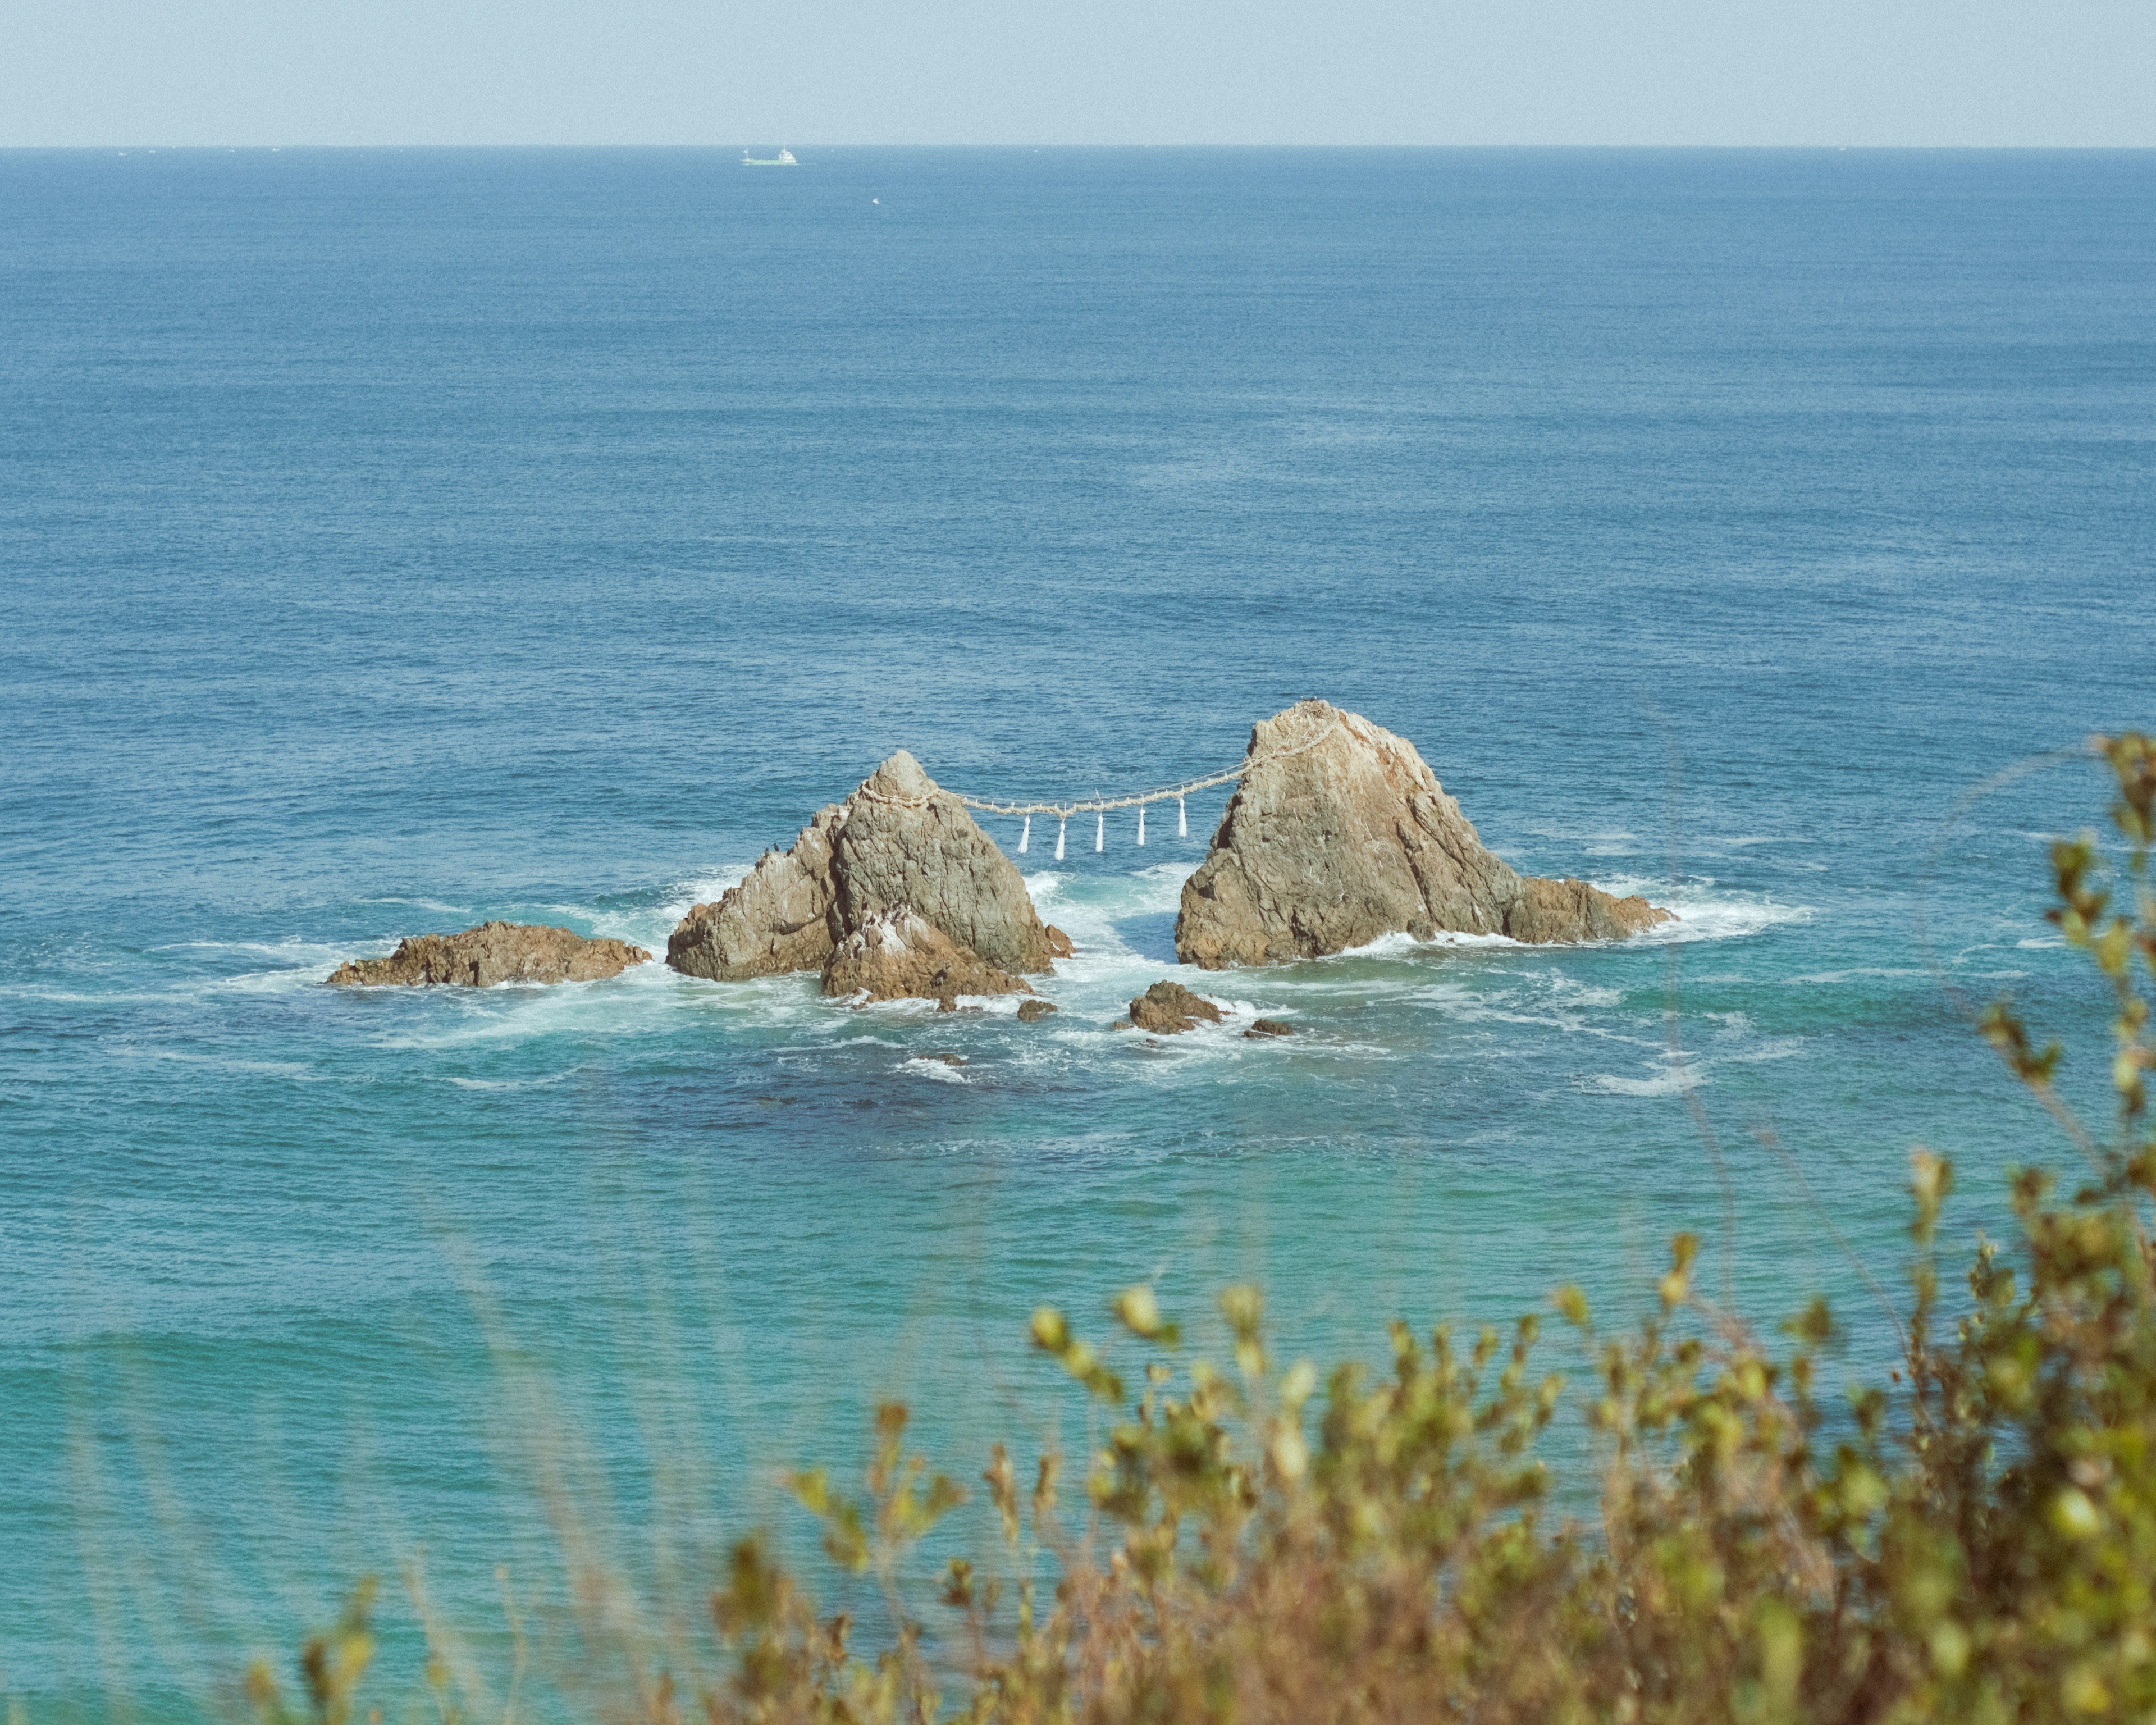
[[394, 539]]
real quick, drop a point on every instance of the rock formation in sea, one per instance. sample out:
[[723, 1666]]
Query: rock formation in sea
[[1167, 1008], [494, 953], [1338, 834], [900, 843], [899, 955], [1028, 1010]]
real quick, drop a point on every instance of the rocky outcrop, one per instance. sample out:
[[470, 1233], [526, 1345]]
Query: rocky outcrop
[[899, 955], [494, 953], [1339, 833], [1549, 911], [1028, 1010], [1262, 1028], [900, 843], [780, 919], [904, 841], [1167, 1009]]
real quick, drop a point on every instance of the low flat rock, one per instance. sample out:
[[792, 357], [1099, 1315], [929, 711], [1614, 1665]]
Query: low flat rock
[[1168, 1008], [899, 842], [1262, 1028], [899, 955], [1029, 1010], [1339, 833], [1549, 910], [493, 952]]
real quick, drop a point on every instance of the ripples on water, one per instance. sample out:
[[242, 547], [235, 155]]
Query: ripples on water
[[395, 540]]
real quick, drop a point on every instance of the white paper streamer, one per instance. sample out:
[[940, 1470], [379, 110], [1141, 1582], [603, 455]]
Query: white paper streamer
[[1182, 819], [1140, 826], [1060, 826], [1099, 832], [1025, 836]]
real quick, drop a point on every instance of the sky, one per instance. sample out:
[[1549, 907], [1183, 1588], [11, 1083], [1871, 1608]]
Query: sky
[[806, 72]]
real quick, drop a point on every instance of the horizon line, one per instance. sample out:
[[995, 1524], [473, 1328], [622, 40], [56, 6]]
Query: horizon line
[[232, 147]]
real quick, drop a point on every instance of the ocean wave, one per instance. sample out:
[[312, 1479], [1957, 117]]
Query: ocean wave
[[921, 1066], [1704, 913], [1857, 971], [1672, 1083], [685, 896]]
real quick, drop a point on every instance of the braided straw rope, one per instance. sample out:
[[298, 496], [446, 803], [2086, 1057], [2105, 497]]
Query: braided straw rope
[[1064, 811]]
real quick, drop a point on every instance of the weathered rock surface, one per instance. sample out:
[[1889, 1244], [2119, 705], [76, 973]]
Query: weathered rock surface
[[1573, 910], [1167, 1008], [898, 955], [1270, 1027], [494, 953], [1028, 1010], [1341, 833], [779, 919], [899, 842], [906, 841]]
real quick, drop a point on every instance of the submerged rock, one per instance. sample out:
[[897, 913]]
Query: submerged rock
[[493, 952], [1271, 1027], [1338, 834], [899, 955], [899, 842], [1167, 1009]]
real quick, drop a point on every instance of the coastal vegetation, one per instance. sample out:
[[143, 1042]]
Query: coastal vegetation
[[1973, 1538]]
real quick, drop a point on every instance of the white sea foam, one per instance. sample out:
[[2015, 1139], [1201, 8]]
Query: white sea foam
[[1674, 1082], [686, 895], [1854, 972], [920, 1067], [1704, 911]]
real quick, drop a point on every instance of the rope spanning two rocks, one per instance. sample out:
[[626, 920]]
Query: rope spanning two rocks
[[1064, 811], [1104, 806]]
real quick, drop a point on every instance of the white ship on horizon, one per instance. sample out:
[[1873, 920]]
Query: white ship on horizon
[[784, 158]]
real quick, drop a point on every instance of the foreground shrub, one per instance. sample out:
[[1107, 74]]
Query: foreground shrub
[[1974, 1541]]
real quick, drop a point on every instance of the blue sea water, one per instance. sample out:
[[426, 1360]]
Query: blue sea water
[[390, 540]]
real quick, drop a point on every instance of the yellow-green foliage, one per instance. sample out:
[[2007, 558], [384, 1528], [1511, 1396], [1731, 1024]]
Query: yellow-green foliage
[[1974, 1541]]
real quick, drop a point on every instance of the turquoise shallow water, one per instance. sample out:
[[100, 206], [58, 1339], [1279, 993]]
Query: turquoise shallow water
[[395, 539]]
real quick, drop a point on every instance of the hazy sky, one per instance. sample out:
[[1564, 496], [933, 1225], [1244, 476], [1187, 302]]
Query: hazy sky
[[1059, 71]]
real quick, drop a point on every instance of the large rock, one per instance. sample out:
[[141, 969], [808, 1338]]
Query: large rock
[[1339, 833], [897, 955], [899, 842], [494, 953], [905, 841]]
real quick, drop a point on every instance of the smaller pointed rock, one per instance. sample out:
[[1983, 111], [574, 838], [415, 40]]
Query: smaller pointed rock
[[1168, 1008]]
